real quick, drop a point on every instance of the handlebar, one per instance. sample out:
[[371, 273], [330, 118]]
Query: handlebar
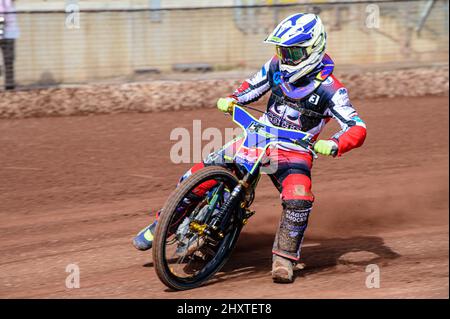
[[306, 145], [249, 107]]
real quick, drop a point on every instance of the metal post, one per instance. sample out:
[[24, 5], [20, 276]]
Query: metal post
[[425, 14]]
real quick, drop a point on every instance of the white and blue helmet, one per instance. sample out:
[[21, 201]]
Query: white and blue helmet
[[300, 41]]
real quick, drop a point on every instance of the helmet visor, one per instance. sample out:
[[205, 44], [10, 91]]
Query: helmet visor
[[291, 55]]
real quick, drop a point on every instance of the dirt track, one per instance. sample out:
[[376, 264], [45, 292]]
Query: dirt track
[[77, 189]]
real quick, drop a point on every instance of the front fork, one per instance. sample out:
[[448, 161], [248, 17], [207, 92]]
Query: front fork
[[237, 198]]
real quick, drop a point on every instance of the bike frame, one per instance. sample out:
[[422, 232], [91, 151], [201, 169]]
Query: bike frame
[[256, 138]]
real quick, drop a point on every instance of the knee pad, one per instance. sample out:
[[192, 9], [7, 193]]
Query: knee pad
[[297, 187]]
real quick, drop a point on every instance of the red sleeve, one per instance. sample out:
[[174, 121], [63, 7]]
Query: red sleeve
[[354, 137]]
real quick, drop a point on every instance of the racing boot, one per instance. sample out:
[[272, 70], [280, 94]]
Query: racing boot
[[282, 270], [144, 239], [289, 237]]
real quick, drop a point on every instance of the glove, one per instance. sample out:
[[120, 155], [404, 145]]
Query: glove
[[326, 147], [226, 104]]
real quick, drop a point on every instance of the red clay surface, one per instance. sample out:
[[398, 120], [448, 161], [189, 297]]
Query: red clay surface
[[77, 189]]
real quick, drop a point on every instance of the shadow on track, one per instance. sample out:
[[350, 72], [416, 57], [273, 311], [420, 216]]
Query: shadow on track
[[252, 257], [254, 250]]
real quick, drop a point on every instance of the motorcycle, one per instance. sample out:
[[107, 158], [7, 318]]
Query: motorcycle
[[196, 235]]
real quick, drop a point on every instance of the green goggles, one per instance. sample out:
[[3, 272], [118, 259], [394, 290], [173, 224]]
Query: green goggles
[[292, 55]]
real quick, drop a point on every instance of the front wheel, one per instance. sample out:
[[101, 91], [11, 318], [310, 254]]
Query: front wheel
[[184, 253]]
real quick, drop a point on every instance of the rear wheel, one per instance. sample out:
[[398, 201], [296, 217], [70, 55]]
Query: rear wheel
[[184, 255]]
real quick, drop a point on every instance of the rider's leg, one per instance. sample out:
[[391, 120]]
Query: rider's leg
[[293, 179], [144, 239]]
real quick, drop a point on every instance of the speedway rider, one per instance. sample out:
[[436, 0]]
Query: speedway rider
[[304, 96]]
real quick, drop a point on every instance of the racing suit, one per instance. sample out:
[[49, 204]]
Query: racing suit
[[309, 114]]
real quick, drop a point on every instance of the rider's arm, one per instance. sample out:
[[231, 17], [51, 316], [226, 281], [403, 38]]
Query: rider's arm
[[353, 129], [255, 87]]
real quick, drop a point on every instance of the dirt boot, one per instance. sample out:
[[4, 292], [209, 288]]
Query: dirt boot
[[282, 270]]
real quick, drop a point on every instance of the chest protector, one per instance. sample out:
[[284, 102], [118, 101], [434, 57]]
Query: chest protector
[[298, 105]]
